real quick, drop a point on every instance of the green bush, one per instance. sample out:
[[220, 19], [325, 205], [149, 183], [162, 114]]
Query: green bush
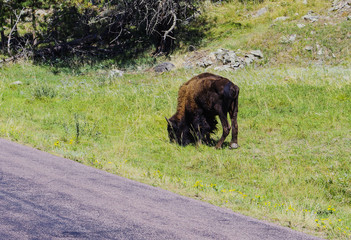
[[41, 92]]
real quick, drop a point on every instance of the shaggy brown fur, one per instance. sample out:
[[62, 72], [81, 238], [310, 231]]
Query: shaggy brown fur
[[200, 100]]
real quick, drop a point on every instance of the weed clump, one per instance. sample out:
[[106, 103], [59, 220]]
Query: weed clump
[[44, 92]]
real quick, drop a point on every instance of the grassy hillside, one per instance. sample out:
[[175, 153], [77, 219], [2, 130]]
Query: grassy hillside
[[234, 26], [293, 164]]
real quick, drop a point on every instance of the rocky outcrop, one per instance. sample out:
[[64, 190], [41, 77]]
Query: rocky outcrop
[[222, 59], [341, 6]]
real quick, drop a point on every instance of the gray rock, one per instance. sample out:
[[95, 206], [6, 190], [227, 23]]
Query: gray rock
[[16, 83], [283, 39], [308, 48], [292, 38], [188, 65], [164, 67], [212, 57], [229, 57], [249, 58], [260, 12], [233, 146], [300, 25], [225, 56], [319, 50], [310, 17], [341, 6], [236, 65], [115, 73], [220, 53], [257, 53], [288, 39], [349, 17], [281, 19], [204, 63]]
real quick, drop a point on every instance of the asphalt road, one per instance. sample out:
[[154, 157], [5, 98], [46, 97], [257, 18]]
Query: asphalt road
[[47, 197]]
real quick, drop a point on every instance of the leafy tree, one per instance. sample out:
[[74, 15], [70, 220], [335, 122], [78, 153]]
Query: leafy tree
[[156, 19], [3, 17], [88, 25]]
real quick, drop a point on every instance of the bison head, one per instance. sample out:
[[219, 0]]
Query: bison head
[[172, 128]]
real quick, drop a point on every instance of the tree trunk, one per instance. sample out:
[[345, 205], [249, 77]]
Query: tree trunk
[[9, 37], [34, 25], [164, 45], [13, 30], [3, 41]]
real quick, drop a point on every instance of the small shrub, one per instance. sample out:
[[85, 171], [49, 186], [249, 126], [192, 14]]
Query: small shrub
[[41, 92]]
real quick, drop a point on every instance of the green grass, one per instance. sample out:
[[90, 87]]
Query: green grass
[[292, 167]]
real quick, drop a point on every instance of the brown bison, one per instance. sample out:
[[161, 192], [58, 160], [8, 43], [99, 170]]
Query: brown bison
[[200, 100]]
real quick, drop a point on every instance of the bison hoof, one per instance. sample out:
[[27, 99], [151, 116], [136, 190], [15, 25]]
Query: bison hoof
[[234, 146]]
